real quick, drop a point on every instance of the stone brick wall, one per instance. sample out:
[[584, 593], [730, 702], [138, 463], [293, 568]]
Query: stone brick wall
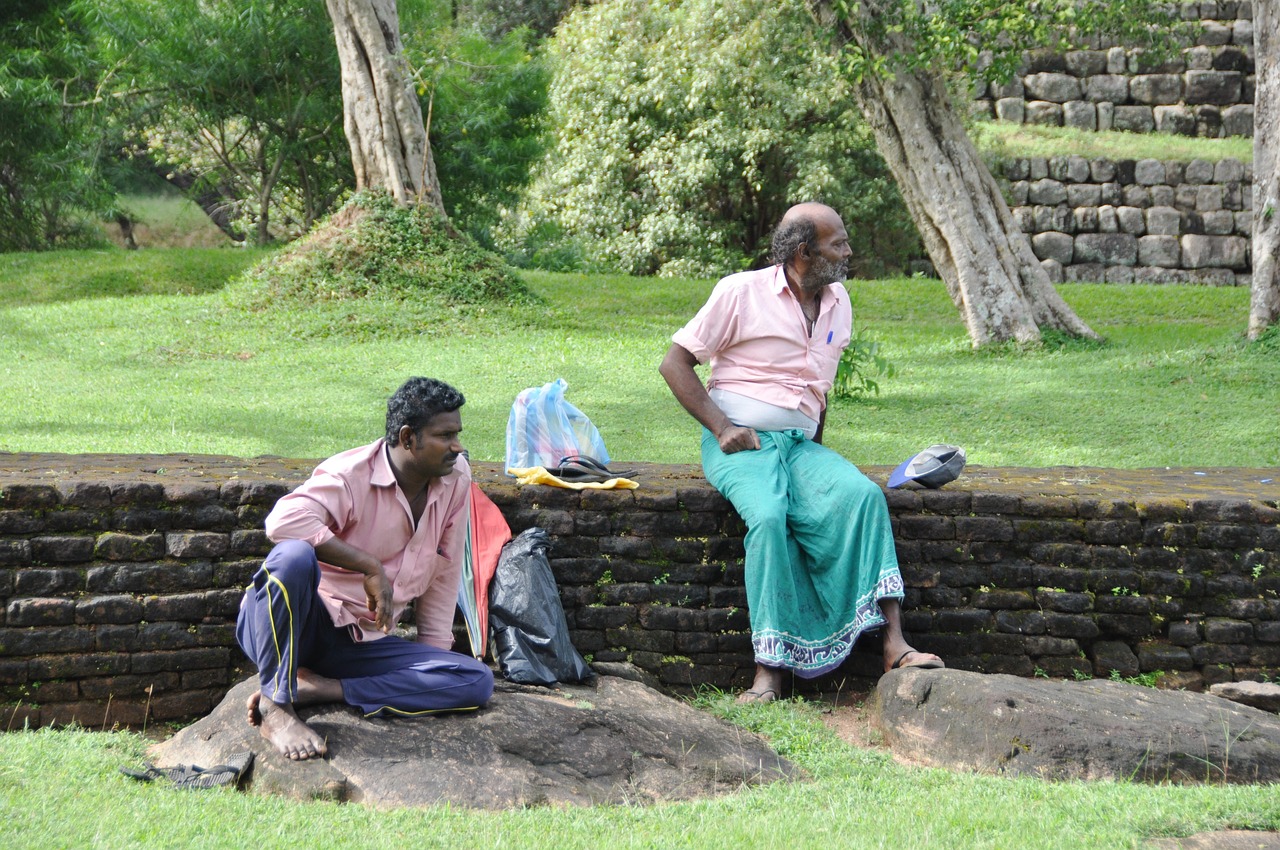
[[1205, 90], [120, 576], [1135, 221]]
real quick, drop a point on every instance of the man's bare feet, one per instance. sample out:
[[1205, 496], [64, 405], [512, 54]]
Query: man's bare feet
[[290, 736], [277, 721], [767, 686]]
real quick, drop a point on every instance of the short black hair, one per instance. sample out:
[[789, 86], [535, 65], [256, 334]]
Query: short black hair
[[416, 402], [789, 236]]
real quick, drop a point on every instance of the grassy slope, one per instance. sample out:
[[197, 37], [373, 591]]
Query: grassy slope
[[163, 373]]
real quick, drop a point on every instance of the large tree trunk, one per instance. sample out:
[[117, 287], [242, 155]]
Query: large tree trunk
[[1265, 308], [986, 261], [381, 113]]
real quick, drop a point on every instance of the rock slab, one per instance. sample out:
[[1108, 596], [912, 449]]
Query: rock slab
[[614, 741], [1096, 729]]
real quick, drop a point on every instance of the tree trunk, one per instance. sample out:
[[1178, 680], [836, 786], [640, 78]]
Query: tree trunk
[[381, 113], [986, 261], [1264, 310]]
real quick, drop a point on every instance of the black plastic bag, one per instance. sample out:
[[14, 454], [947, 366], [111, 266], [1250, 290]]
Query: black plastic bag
[[530, 635]]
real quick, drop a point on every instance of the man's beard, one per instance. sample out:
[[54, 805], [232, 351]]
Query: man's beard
[[822, 271]]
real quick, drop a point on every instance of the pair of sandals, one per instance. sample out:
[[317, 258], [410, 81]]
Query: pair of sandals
[[575, 468], [194, 776]]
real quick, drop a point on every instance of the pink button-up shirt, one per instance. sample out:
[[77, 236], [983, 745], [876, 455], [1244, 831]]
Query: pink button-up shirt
[[755, 335], [354, 496]]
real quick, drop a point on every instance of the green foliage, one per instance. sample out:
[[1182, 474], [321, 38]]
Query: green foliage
[[1145, 680], [990, 37], [485, 101], [496, 18], [51, 163], [381, 255], [683, 131], [860, 364], [242, 96]]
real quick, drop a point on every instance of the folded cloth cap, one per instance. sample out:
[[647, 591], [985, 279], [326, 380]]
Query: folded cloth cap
[[932, 467]]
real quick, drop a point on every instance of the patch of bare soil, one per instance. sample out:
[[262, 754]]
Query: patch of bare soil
[[847, 712]]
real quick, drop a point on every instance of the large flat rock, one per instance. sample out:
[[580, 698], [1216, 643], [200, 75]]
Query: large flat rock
[[616, 741], [1096, 729]]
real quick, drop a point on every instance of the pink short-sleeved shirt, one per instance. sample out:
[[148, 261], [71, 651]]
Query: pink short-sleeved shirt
[[755, 336], [354, 496]]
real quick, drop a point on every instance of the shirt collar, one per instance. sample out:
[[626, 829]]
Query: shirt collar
[[835, 290], [383, 475]]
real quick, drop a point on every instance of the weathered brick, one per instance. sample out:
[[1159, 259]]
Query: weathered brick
[[16, 641], [605, 617], [15, 552], [1161, 656], [29, 496], [62, 550], [1217, 630], [21, 522], [180, 660], [162, 577], [196, 544], [116, 608], [1065, 602], [1113, 532], [926, 527], [187, 607], [1071, 626], [1021, 622], [116, 546], [79, 666], [40, 612], [1041, 530], [964, 620], [249, 541], [983, 528]]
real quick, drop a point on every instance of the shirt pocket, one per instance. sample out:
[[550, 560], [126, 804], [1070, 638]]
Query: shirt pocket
[[824, 359]]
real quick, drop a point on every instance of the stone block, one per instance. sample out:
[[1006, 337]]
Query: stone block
[[1214, 251], [1051, 245], [1109, 655], [62, 550], [1163, 221], [1106, 116], [1085, 63], [1012, 88], [1214, 33], [1176, 120], [1085, 219], [1219, 88], [1112, 249], [1152, 89], [1011, 109], [1210, 197], [1158, 656], [1102, 170], [1052, 87], [1054, 270], [40, 612], [1228, 171], [1133, 119], [1237, 120], [115, 546], [1135, 195], [1043, 113], [1084, 194], [1198, 58], [1162, 196], [1108, 222], [1131, 220], [1080, 115], [1219, 222], [1117, 61], [1159, 251], [1047, 192]]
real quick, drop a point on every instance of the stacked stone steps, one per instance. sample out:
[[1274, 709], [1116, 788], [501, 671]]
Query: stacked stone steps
[[1205, 90], [1135, 221]]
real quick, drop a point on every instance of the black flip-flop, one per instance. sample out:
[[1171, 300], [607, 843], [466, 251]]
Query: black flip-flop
[[194, 776], [583, 468]]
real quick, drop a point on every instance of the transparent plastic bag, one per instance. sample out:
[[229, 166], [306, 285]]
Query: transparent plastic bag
[[544, 427]]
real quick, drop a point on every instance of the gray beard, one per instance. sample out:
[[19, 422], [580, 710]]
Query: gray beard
[[822, 272]]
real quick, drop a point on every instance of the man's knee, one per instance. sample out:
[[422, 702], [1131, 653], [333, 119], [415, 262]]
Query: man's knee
[[288, 561], [479, 682]]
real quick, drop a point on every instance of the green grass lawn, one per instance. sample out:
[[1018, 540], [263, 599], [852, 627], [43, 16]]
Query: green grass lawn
[[92, 365], [108, 351], [60, 789]]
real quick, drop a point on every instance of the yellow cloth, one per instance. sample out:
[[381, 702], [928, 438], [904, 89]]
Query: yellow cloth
[[540, 475]]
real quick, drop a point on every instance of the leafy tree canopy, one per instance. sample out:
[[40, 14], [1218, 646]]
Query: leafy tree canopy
[[682, 131]]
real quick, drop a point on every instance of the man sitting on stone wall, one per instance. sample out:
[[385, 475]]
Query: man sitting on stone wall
[[820, 563], [372, 529]]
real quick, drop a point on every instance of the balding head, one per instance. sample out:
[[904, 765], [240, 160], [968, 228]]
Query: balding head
[[799, 226]]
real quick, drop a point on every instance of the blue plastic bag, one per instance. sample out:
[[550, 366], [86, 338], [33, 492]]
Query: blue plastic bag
[[544, 427]]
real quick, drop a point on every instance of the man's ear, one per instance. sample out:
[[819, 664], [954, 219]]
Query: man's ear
[[407, 436]]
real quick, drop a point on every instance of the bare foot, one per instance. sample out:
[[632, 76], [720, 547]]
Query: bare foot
[[312, 688], [292, 738], [767, 686]]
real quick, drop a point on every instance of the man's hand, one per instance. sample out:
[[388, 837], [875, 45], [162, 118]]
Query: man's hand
[[377, 591], [736, 438]]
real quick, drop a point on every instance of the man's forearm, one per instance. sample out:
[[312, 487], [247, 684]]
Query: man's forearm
[[677, 370], [343, 555]]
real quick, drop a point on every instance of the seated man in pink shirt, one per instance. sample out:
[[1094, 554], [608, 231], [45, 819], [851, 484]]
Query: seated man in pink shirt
[[370, 531], [821, 567]]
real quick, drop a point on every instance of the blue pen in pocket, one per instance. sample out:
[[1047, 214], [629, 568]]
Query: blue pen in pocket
[[830, 334]]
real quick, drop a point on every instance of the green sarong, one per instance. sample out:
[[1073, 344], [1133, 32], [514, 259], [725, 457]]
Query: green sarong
[[819, 548]]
